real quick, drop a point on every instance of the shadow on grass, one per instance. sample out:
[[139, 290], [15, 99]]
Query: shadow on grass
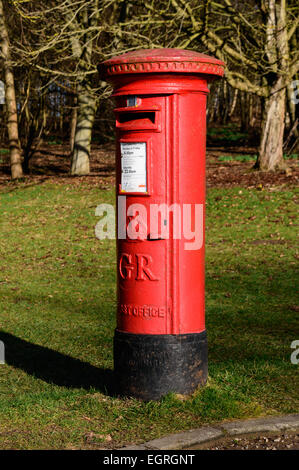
[[54, 367]]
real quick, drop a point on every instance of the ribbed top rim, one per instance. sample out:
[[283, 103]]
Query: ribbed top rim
[[163, 60]]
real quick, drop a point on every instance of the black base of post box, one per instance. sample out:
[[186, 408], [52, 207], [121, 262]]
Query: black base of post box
[[150, 366]]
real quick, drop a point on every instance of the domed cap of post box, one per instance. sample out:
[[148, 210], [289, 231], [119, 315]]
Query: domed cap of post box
[[162, 61]]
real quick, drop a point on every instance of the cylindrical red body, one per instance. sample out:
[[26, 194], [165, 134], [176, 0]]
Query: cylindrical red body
[[161, 132]]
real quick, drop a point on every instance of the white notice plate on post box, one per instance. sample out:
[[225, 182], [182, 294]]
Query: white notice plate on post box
[[133, 167]]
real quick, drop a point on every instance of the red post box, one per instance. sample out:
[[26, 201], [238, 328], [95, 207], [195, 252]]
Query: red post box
[[160, 342]]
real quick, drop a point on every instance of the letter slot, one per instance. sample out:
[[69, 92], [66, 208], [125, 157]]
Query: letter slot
[[137, 120]]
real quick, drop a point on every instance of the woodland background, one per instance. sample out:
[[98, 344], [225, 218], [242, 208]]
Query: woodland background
[[50, 52]]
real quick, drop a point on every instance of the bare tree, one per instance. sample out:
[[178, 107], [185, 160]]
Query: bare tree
[[253, 38], [66, 41], [60, 48], [82, 24], [69, 40], [10, 98]]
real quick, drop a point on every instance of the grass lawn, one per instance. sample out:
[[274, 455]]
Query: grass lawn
[[57, 316]]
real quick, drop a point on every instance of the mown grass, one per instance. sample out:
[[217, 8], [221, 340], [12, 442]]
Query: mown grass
[[57, 294]]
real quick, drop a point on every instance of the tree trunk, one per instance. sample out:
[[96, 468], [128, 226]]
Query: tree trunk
[[270, 157], [244, 111], [85, 119], [291, 106], [234, 102], [11, 106], [73, 125]]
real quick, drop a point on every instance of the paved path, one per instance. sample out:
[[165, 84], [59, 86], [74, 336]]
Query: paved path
[[204, 434]]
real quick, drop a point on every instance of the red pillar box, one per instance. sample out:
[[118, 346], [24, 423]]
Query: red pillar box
[[160, 343]]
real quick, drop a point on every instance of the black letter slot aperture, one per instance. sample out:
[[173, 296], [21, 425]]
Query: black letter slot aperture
[[133, 116]]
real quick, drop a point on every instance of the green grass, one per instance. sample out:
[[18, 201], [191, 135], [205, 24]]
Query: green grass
[[237, 158], [228, 133], [57, 315], [2, 153], [249, 158], [53, 141]]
